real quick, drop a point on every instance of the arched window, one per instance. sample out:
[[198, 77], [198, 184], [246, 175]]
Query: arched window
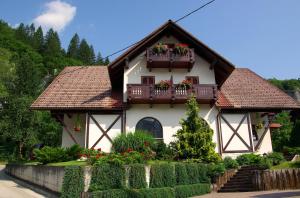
[[150, 125]]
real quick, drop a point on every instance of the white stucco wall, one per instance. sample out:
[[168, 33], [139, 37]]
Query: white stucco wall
[[79, 136], [168, 117], [95, 133], [138, 68]]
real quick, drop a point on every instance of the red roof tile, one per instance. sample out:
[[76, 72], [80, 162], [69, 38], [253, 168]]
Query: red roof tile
[[246, 90], [80, 87]]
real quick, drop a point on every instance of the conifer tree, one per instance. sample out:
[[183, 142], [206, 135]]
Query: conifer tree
[[194, 139], [92, 56], [22, 33], [84, 53], [295, 135], [99, 59], [52, 44], [38, 40], [73, 47], [106, 62]]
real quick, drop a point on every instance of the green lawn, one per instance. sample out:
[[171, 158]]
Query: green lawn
[[286, 165], [69, 163]]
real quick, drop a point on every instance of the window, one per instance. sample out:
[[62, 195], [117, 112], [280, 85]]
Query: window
[[150, 125], [148, 80], [193, 79]]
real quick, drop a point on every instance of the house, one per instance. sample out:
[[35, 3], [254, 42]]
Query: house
[[144, 88]]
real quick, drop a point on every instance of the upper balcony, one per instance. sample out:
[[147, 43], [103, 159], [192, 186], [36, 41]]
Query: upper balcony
[[150, 94], [163, 56]]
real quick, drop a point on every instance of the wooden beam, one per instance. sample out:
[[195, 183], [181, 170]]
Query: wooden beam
[[67, 129], [263, 135]]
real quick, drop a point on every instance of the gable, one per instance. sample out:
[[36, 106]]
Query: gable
[[222, 67]]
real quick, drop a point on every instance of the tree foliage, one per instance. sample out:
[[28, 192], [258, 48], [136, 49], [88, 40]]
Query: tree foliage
[[295, 135], [194, 139]]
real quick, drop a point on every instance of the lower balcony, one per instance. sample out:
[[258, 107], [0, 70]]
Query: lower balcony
[[149, 94]]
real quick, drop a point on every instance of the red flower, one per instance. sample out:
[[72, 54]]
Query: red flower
[[129, 150], [146, 143], [182, 45]]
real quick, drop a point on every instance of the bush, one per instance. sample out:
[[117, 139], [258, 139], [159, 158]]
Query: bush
[[166, 192], [112, 193], [184, 191], [137, 176], [275, 158], [73, 183], [215, 170], [137, 141], [181, 174], [230, 163], [162, 175], [162, 151], [117, 158], [73, 152], [203, 171], [249, 159], [107, 176], [291, 150], [192, 170]]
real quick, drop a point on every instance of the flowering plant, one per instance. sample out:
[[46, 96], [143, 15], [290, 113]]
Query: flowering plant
[[185, 84], [160, 48], [163, 84], [77, 125], [181, 49]]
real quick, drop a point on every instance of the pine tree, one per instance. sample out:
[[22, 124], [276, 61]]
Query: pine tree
[[73, 47], [52, 44], [106, 62], [295, 135], [92, 55], [84, 53], [99, 60], [22, 33], [194, 139], [38, 40]]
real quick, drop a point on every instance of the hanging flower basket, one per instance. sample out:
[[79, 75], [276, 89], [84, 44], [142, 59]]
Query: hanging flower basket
[[163, 84], [160, 48], [181, 49], [77, 125], [185, 84]]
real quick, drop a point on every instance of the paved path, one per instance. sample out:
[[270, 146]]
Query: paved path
[[10, 189], [259, 194]]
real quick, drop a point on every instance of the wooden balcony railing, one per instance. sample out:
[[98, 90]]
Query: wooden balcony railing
[[170, 60], [142, 94]]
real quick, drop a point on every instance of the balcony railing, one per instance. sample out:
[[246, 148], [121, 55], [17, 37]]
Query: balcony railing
[[170, 60], [142, 94]]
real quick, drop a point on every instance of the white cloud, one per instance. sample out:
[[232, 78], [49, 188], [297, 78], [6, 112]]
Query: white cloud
[[57, 15]]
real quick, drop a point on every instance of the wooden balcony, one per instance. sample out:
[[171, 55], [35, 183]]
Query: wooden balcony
[[144, 94], [170, 60]]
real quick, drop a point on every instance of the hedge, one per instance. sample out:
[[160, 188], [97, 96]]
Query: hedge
[[192, 170], [137, 176], [73, 183], [203, 173], [112, 193], [162, 175], [165, 192], [107, 176], [184, 191], [181, 174]]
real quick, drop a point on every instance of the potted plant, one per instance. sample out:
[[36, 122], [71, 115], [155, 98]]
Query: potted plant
[[181, 49], [77, 125], [160, 48], [163, 84], [185, 84]]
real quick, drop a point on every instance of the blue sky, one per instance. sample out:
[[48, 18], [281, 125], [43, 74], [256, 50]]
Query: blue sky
[[263, 35]]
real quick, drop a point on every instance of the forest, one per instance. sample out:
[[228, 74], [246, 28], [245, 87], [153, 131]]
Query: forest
[[30, 59]]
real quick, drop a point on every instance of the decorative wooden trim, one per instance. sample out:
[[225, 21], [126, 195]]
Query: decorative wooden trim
[[238, 151], [67, 129], [126, 63], [250, 131], [219, 133], [104, 132], [87, 130]]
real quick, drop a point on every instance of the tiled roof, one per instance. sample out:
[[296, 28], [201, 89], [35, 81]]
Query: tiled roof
[[80, 87], [246, 90]]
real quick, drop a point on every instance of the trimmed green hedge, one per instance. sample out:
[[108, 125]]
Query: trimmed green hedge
[[73, 183], [166, 192], [192, 170], [107, 176], [137, 176], [184, 191], [162, 175], [181, 174], [112, 193], [203, 173]]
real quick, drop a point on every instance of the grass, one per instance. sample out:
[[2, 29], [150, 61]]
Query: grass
[[3, 162], [69, 163], [286, 165]]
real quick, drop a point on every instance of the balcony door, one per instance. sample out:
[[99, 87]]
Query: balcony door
[[193, 79], [148, 80]]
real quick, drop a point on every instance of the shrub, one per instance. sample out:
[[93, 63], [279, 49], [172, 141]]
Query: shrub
[[137, 141], [112, 193], [73, 152], [137, 177], [184, 191], [275, 158], [181, 173], [162, 151], [291, 150], [117, 158], [166, 192], [203, 171], [162, 175], [249, 159], [192, 170], [107, 176], [215, 170], [48, 154], [230, 163], [73, 183]]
